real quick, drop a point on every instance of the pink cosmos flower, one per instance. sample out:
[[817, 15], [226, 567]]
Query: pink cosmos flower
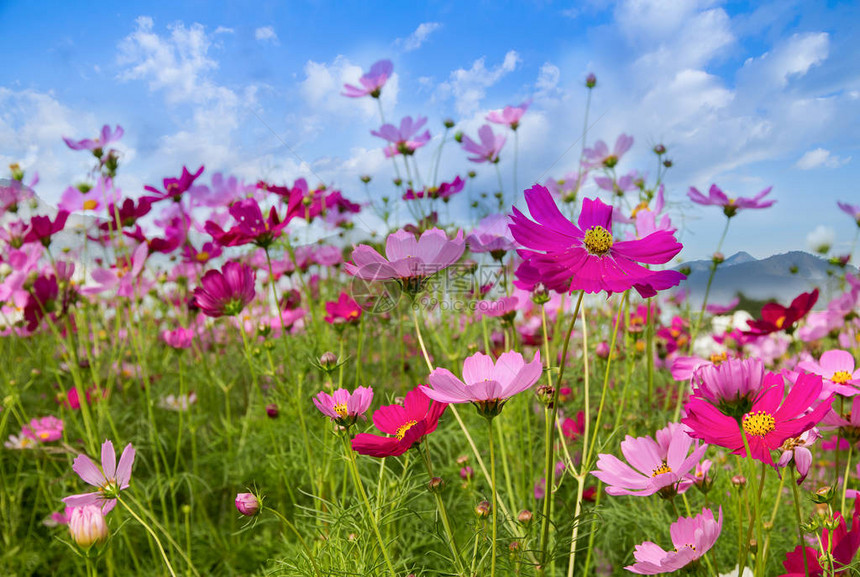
[[407, 425], [42, 228], [509, 115], [692, 537], [44, 430], [492, 235], [248, 504], [716, 309], [851, 210], [505, 308], [568, 187], [485, 384], [732, 385], [344, 407], [110, 480], [797, 449], [731, 206], [107, 136], [371, 82], [599, 155], [174, 188], [489, 148], [404, 140], [250, 228], [343, 311], [409, 260], [12, 194], [659, 466], [837, 369], [101, 195], [123, 277], [772, 419], [226, 292], [567, 257], [178, 338]]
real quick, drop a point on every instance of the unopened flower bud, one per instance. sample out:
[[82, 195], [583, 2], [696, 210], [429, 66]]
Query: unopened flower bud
[[365, 178], [248, 504], [718, 257], [449, 123], [667, 163], [823, 495], [514, 546], [471, 174], [436, 484], [462, 459], [540, 294], [272, 410], [591, 80], [328, 360], [482, 510], [467, 473], [659, 149], [525, 517], [87, 526], [458, 136], [739, 481], [602, 350]]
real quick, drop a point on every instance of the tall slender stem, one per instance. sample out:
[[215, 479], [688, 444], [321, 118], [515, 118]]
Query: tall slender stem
[[151, 532], [549, 466], [714, 265], [443, 513], [493, 506], [298, 535], [799, 521]]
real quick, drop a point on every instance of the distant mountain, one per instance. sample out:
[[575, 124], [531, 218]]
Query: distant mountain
[[781, 277]]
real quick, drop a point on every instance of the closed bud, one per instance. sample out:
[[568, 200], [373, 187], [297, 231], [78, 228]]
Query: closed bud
[[753, 546], [365, 178], [248, 504], [398, 181], [436, 484], [718, 257], [540, 294], [659, 150], [458, 136], [272, 410], [471, 174], [667, 163], [525, 517], [591, 80], [602, 350], [739, 481], [482, 509], [466, 473], [823, 495], [328, 360], [449, 123], [87, 526]]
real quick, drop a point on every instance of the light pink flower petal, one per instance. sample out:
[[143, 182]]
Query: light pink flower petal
[[88, 471], [123, 470], [108, 460]]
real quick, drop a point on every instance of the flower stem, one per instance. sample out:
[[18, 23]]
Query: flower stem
[[845, 478], [713, 273], [443, 513], [152, 533], [799, 521], [356, 479], [549, 465], [493, 506]]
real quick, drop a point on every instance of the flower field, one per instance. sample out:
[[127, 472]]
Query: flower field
[[213, 376]]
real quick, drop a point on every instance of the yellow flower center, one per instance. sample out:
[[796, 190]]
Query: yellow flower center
[[44, 435], [202, 256], [779, 322], [90, 204], [401, 432], [597, 240], [640, 207], [841, 377], [341, 410], [718, 359], [758, 423], [664, 468]]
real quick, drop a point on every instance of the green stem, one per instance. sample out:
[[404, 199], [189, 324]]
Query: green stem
[[493, 506], [443, 513], [799, 521], [152, 533], [356, 479], [845, 478]]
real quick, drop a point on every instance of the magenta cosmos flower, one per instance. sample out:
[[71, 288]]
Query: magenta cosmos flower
[[371, 82], [485, 384], [225, 292], [404, 140], [796, 450], [344, 407], [692, 537], [659, 466], [837, 369], [731, 206], [772, 419], [409, 260], [489, 148], [509, 115], [342, 311], [250, 228], [731, 385], [110, 479], [407, 425], [567, 257], [599, 155], [852, 210], [174, 187]]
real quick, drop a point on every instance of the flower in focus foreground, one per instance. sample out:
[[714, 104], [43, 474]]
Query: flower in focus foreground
[[248, 504], [772, 419], [485, 384], [344, 407], [110, 480], [567, 257], [659, 466], [225, 292], [408, 424], [692, 537]]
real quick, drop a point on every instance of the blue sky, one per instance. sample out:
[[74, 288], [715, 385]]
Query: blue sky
[[746, 95]]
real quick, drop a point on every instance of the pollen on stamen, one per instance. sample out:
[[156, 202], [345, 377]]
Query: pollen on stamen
[[841, 377], [598, 240], [662, 469], [401, 432], [758, 423]]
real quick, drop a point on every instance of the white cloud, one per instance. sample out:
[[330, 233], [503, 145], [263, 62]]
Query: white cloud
[[820, 158], [791, 58], [417, 38], [469, 87], [821, 239], [548, 78], [223, 30], [266, 34]]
